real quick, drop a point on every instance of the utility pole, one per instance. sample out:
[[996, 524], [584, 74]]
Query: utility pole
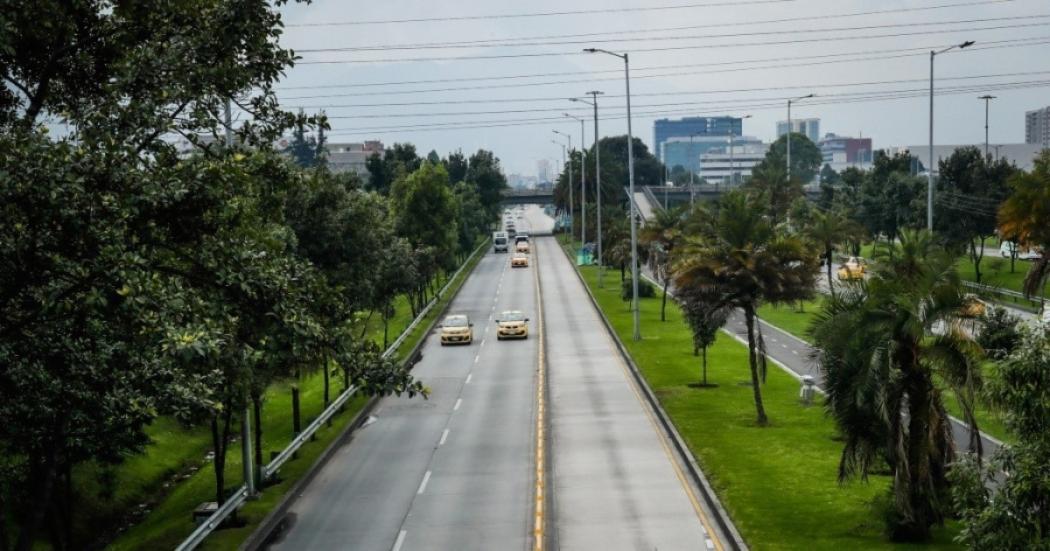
[[572, 200], [692, 152], [987, 99], [598, 177], [246, 427], [583, 181]]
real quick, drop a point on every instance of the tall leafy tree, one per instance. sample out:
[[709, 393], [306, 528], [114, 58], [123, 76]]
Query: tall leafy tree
[[1025, 216], [806, 158], [485, 174], [456, 165], [880, 357], [744, 262], [969, 191], [424, 210], [306, 151], [1016, 515], [770, 182]]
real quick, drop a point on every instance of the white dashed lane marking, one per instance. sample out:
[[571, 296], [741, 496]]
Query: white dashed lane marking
[[469, 377], [444, 436], [423, 485], [400, 541], [459, 402]]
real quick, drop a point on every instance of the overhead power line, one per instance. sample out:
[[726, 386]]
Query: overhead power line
[[834, 99], [687, 47], [517, 43], [562, 13], [732, 66], [646, 94]]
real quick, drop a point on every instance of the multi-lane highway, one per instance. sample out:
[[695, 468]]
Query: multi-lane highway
[[492, 450]]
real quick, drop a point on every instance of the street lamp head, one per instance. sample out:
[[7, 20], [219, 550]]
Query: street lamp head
[[967, 44], [590, 50], [986, 97], [746, 117]]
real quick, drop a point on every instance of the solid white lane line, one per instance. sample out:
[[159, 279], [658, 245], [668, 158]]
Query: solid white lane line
[[444, 436], [469, 377], [400, 540], [423, 485], [459, 402]]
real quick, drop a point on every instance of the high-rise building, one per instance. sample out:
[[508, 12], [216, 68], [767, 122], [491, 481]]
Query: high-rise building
[[810, 128], [543, 171], [842, 152], [665, 129], [1037, 127]]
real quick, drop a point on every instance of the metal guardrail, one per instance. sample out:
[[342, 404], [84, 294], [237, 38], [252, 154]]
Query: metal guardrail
[[241, 495], [1000, 291], [213, 522]]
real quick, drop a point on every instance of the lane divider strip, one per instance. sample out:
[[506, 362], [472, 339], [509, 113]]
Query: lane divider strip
[[541, 383]]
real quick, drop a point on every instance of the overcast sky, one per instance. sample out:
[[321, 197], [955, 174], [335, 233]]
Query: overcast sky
[[739, 63]]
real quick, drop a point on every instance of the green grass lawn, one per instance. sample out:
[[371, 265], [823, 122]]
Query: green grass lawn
[[779, 483], [168, 523]]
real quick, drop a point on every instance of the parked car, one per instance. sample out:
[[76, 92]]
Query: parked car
[[457, 329]]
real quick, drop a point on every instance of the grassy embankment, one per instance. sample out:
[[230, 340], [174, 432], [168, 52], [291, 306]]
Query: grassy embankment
[[779, 483], [169, 522]]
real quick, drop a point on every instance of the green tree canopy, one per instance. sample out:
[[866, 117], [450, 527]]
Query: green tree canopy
[[806, 158]]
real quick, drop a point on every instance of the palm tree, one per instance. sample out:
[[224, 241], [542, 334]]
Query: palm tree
[[1025, 215], [661, 234], [744, 262], [880, 359], [705, 314], [828, 229]]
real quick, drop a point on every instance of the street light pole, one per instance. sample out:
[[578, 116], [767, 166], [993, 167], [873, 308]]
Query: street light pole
[[790, 129], [987, 99], [572, 201], [597, 178], [634, 207], [929, 169], [583, 182]]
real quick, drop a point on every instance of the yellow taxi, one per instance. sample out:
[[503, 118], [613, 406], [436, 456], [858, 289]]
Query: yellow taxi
[[519, 261], [457, 329], [512, 324], [853, 268]]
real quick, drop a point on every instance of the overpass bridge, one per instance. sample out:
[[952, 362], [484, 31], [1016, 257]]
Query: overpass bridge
[[673, 196], [528, 196]]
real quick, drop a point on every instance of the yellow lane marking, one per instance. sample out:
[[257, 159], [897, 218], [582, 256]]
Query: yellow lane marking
[[711, 534], [537, 532]]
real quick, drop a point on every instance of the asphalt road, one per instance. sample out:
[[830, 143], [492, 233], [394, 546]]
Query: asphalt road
[[455, 471], [458, 471], [616, 483]]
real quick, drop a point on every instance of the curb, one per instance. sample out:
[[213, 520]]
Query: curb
[[260, 538], [725, 524]]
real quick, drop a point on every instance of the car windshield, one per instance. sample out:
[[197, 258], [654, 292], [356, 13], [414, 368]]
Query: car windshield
[[456, 321], [501, 241], [513, 315]]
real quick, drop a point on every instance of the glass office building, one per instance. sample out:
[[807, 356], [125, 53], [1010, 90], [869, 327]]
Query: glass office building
[[680, 129]]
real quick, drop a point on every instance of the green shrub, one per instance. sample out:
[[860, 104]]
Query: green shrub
[[645, 290]]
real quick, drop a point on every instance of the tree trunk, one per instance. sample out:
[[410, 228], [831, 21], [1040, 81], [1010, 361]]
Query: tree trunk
[[258, 444], [827, 260], [705, 366], [386, 328], [663, 305], [297, 422], [975, 258], [40, 500], [749, 316], [917, 481], [324, 368], [220, 438]]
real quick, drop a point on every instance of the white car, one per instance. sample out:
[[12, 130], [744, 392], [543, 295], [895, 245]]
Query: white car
[[1007, 248]]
